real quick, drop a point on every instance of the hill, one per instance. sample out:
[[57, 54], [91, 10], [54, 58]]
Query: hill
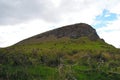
[[73, 52], [70, 31]]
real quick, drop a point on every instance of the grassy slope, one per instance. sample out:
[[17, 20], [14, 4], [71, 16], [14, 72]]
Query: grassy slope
[[60, 59]]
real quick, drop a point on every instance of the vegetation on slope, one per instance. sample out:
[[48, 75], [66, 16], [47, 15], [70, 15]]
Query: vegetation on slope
[[60, 59]]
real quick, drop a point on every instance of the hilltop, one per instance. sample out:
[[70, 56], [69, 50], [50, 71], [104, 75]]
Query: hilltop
[[72, 52], [74, 31]]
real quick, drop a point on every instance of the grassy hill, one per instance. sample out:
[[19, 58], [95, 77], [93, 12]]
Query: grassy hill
[[61, 55]]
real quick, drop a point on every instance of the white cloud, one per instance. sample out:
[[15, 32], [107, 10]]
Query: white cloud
[[113, 6], [56, 2], [111, 37], [110, 33], [11, 34], [18, 11]]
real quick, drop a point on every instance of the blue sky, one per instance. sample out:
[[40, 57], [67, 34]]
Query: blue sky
[[106, 17], [20, 19]]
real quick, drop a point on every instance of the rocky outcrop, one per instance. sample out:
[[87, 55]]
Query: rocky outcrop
[[72, 31]]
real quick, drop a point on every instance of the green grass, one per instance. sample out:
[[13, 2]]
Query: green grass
[[38, 72], [82, 59]]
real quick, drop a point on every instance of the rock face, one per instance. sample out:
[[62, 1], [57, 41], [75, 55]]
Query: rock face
[[72, 31]]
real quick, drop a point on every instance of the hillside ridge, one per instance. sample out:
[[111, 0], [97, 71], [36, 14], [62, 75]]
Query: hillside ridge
[[73, 31]]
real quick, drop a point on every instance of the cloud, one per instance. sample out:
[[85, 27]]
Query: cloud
[[110, 29], [11, 34], [111, 33], [19, 11], [16, 11]]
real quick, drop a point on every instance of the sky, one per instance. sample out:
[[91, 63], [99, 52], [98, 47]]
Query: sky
[[20, 19]]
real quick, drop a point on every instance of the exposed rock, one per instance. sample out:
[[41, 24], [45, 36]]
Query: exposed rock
[[72, 31]]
